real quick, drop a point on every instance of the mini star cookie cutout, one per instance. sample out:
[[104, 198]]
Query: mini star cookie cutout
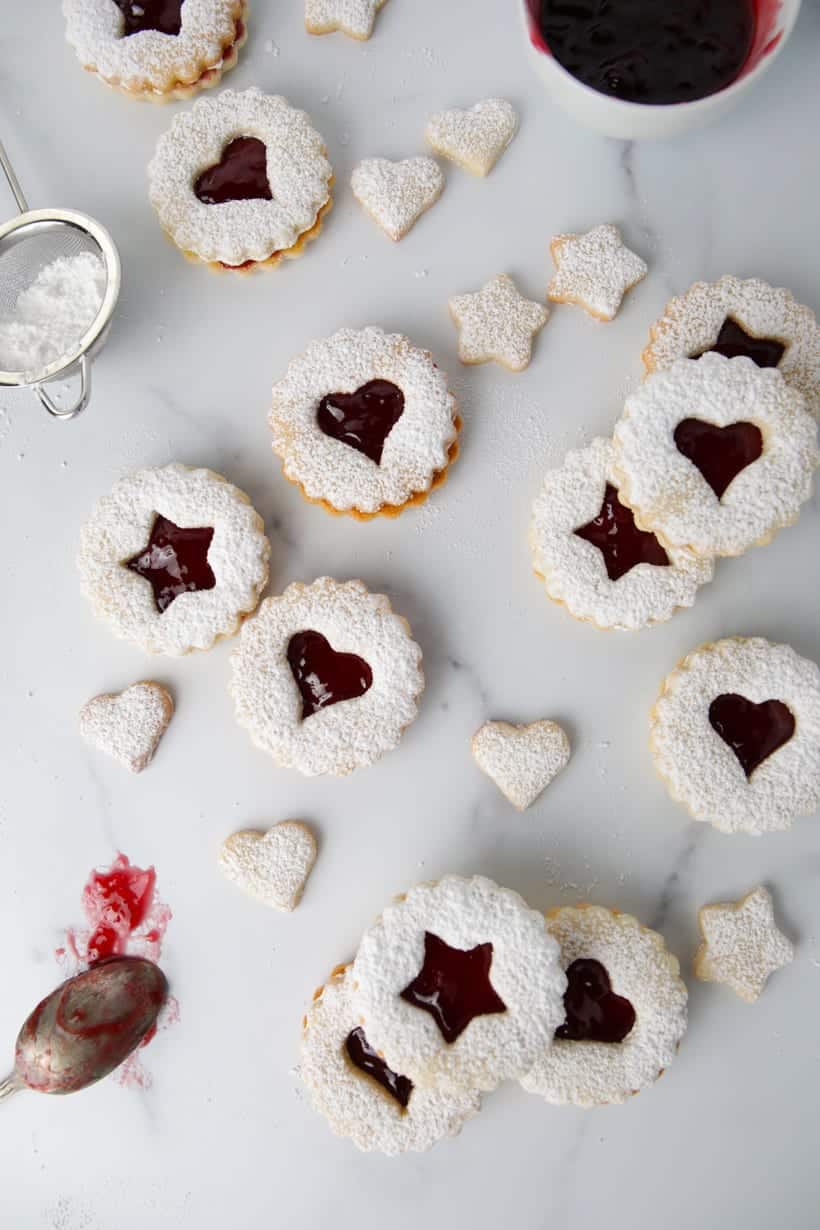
[[521, 760], [497, 323], [273, 867], [128, 725], [396, 194], [594, 270], [741, 945], [354, 18]]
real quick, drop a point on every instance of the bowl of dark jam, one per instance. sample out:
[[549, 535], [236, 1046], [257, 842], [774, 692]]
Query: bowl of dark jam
[[640, 69]]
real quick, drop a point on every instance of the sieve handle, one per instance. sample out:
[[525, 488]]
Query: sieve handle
[[83, 396], [14, 183]]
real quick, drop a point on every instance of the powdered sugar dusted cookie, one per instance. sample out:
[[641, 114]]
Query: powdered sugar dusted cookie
[[396, 194], [741, 944], [156, 49], [458, 985], [735, 734], [359, 1095], [326, 678], [625, 1009], [715, 454], [273, 867], [241, 179], [353, 17], [128, 725], [173, 559], [521, 760], [364, 423], [594, 270], [498, 323], [751, 318], [475, 138], [595, 560]]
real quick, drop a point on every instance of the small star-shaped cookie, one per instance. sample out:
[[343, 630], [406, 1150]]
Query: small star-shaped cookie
[[498, 323], [594, 270], [741, 944], [353, 17]]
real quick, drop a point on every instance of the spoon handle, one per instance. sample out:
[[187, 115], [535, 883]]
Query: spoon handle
[[10, 1085]]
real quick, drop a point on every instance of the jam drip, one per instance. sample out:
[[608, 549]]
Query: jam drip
[[240, 175], [363, 419], [733, 341], [454, 986], [618, 538], [594, 1012], [753, 732], [323, 676], [720, 453], [362, 1056], [164, 16], [120, 900], [175, 561]]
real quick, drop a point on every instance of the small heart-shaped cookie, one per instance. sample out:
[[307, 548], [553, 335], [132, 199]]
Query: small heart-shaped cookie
[[476, 138], [521, 760], [128, 725], [396, 194], [273, 867]]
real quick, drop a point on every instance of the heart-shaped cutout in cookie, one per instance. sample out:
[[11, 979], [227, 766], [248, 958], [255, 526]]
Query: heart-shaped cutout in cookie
[[273, 867], [594, 1012], [753, 731], [396, 194], [323, 676], [521, 760], [720, 453], [240, 175], [363, 419], [475, 138], [128, 725], [164, 16]]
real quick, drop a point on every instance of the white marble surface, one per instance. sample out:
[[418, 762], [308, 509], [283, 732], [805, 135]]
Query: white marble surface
[[224, 1138]]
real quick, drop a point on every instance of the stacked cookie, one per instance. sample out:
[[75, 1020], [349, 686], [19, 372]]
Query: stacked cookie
[[713, 454], [459, 985]]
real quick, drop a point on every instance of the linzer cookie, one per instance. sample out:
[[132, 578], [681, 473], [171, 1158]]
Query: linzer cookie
[[241, 180], [156, 49], [476, 138], [358, 1094], [326, 678], [352, 17], [396, 194], [458, 985], [624, 1010], [715, 454], [594, 270], [734, 317], [364, 423], [497, 323], [173, 558], [735, 735], [594, 559], [742, 946]]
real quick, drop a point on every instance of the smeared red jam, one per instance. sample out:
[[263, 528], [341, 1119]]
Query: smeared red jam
[[361, 1055], [323, 676], [720, 453], [619, 540], [240, 175], [119, 901], [454, 986], [162, 15], [753, 732], [733, 341], [649, 51], [363, 419], [175, 561], [594, 1012]]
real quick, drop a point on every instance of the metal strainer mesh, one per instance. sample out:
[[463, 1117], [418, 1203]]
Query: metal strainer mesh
[[28, 249]]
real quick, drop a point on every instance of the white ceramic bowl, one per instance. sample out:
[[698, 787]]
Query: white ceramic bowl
[[636, 121]]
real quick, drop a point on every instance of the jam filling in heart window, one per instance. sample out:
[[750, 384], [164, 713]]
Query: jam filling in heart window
[[240, 175], [753, 731], [362, 419], [323, 676], [720, 453], [594, 1013]]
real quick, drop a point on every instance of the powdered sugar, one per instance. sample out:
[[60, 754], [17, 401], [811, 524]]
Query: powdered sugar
[[691, 323], [352, 1102], [417, 448], [476, 138], [353, 17], [128, 725], [497, 323], [396, 194], [594, 270], [640, 969], [52, 314], [341, 737], [702, 771], [273, 867], [521, 760], [574, 571], [741, 945]]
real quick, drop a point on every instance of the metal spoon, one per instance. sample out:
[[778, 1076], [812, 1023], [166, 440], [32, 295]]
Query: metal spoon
[[87, 1027]]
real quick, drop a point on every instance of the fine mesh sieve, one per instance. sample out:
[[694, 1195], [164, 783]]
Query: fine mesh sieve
[[30, 242]]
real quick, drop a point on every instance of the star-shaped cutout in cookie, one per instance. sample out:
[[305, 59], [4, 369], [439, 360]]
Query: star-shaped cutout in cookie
[[175, 561], [353, 17], [594, 270], [454, 986], [741, 944], [497, 323]]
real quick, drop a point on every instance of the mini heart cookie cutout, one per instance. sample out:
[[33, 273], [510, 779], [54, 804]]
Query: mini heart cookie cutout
[[396, 194], [128, 725], [273, 867], [521, 760], [474, 139]]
